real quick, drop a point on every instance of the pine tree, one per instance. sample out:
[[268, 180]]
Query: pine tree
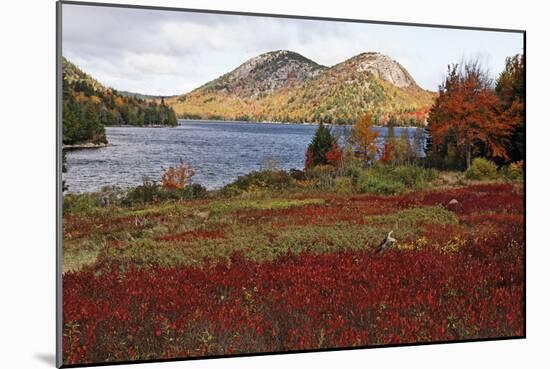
[[322, 142], [172, 119], [92, 129], [510, 88], [70, 121]]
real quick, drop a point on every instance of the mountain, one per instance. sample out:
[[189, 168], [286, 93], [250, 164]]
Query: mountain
[[286, 86], [89, 106], [379, 66], [264, 74]]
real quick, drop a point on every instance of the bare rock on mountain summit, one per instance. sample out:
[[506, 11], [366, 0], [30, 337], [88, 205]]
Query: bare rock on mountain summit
[[383, 67], [266, 73]]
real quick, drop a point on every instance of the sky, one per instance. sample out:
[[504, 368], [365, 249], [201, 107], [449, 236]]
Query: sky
[[170, 53]]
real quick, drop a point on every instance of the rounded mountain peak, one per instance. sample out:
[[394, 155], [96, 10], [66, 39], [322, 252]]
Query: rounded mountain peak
[[267, 73], [383, 67]]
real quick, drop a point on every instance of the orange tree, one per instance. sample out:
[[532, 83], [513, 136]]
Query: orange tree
[[364, 137], [469, 116]]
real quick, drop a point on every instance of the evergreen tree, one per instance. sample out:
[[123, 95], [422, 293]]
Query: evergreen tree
[[125, 114], [70, 124], [322, 142], [147, 115], [92, 129], [172, 119], [510, 88]]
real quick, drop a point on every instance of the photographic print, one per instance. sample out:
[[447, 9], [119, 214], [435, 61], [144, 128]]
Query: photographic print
[[241, 184]]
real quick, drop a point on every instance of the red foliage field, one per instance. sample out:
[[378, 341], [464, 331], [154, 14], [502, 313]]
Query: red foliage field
[[117, 312]]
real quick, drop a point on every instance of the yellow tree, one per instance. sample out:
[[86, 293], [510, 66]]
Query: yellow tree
[[364, 137]]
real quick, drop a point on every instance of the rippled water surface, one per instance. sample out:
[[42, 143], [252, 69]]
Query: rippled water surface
[[219, 152]]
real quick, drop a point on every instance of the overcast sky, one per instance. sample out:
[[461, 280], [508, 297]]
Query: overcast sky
[[169, 53]]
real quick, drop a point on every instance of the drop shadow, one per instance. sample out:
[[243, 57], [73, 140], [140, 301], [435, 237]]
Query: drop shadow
[[46, 358]]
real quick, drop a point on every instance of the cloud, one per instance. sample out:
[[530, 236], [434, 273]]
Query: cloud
[[166, 52]]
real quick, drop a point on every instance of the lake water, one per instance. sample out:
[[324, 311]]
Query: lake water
[[218, 151]]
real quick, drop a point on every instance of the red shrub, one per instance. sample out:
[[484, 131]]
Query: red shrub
[[472, 199], [334, 155], [309, 159], [387, 155], [296, 302], [119, 312]]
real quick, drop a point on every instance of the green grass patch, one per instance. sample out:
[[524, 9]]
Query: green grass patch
[[77, 254], [155, 209], [386, 180], [257, 241], [260, 204], [413, 217]]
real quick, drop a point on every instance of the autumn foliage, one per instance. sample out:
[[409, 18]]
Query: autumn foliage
[[257, 274], [297, 302], [454, 281], [364, 137], [469, 116], [309, 159], [323, 149], [387, 154], [176, 178], [334, 155]]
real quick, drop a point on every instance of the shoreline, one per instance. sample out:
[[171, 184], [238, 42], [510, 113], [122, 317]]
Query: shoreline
[[144, 126], [83, 146]]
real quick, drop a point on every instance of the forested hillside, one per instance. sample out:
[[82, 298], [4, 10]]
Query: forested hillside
[[285, 86], [89, 106]]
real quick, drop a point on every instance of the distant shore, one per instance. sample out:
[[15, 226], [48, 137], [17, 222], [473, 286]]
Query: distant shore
[[281, 123], [89, 145], [241, 121]]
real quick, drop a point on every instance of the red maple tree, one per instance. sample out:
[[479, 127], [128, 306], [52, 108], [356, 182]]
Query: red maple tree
[[469, 114]]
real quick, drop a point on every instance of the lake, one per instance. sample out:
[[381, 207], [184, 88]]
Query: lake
[[218, 151]]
